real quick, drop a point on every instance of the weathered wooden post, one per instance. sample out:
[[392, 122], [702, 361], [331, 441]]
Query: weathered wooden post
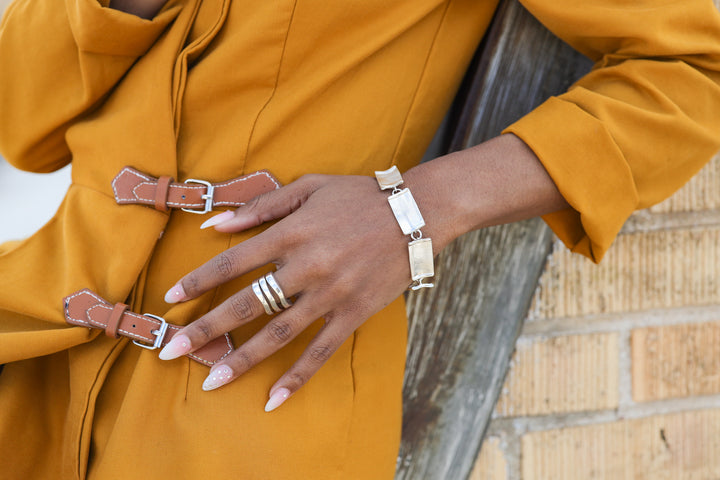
[[462, 332]]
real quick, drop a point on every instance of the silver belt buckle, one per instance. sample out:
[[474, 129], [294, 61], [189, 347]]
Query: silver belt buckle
[[159, 333], [208, 196]]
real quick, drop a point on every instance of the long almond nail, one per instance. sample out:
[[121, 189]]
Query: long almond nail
[[175, 294], [217, 219], [218, 377], [277, 399], [177, 347]]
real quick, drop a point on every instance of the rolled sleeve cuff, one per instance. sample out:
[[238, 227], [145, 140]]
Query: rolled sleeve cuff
[[588, 169], [105, 31]]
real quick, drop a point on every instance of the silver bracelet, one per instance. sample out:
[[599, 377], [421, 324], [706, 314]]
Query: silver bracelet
[[411, 221]]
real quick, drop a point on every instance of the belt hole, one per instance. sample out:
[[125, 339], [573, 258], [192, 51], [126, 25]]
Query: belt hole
[[183, 197]]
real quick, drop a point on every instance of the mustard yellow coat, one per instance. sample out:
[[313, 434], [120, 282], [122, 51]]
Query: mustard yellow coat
[[216, 88]]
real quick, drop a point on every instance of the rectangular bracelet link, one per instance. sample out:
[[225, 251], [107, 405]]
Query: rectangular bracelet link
[[421, 260], [389, 178], [410, 219], [406, 211]]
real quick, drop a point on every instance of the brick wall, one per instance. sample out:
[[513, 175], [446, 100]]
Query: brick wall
[[616, 373]]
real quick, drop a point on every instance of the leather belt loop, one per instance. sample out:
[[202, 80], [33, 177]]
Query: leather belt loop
[[161, 193], [111, 329], [86, 308], [133, 187]]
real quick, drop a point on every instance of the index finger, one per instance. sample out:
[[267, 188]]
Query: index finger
[[233, 262]]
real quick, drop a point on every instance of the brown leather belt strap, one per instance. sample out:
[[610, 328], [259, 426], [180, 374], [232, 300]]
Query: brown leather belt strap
[[162, 190], [87, 309], [113, 322], [198, 196]]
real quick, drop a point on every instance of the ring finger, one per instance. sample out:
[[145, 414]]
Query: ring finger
[[278, 332], [237, 310]]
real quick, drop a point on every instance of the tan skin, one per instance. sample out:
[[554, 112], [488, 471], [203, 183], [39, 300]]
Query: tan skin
[[142, 8], [326, 223]]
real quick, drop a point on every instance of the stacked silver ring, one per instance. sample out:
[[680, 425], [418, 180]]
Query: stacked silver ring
[[270, 294]]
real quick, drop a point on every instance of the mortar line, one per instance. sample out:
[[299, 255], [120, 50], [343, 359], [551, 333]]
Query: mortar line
[[625, 370], [616, 322], [510, 446], [522, 425], [645, 221]]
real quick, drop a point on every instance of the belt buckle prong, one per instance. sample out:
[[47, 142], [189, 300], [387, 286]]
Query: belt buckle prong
[[159, 333], [208, 196]]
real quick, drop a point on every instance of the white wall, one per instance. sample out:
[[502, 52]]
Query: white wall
[[27, 200]]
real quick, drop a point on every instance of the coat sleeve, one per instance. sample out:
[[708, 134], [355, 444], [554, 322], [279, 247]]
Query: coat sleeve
[[640, 124], [58, 59]]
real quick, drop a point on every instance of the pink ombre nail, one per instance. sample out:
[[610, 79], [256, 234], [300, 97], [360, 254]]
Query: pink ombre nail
[[218, 377], [217, 219], [177, 347], [277, 399], [175, 294]]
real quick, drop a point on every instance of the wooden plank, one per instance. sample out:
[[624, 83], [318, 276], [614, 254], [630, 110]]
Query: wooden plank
[[462, 332]]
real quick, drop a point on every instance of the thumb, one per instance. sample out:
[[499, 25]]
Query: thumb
[[266, 207]]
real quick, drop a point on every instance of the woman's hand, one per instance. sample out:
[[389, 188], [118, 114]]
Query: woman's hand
[[341, 253], [338, 250]]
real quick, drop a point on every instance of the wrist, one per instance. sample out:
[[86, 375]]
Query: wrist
[[498, 181], [410, 221], [432, 190]]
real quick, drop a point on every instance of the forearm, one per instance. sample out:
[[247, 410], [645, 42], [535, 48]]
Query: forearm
[[498, 181], [142, 8]]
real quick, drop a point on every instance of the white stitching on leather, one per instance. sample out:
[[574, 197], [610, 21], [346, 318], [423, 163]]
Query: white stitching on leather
[[154, 184], [131, 171], [207, 362], [77, 294], [230, 182], [134, 191], [248, 177], [132, 314], [149, 181], [102, 305]]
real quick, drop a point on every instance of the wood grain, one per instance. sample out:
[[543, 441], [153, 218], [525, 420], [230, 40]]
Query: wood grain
[[462, 332]]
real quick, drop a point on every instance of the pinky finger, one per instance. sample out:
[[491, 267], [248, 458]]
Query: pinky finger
[[320, 349]]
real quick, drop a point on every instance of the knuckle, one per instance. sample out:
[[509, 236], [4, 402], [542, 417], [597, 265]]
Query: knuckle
[[258, 208], [309, 179], [191, 284], [308, 184], [321, 353], [258, 204], [312, 180], [297, 236], [317, 268], [241, 308], [243, 360], [205, 329], [297, 379], [223, 264], [344, 289], [279, 331], [255, 203]]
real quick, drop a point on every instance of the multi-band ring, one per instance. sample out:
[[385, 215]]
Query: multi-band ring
[[268, 291]]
